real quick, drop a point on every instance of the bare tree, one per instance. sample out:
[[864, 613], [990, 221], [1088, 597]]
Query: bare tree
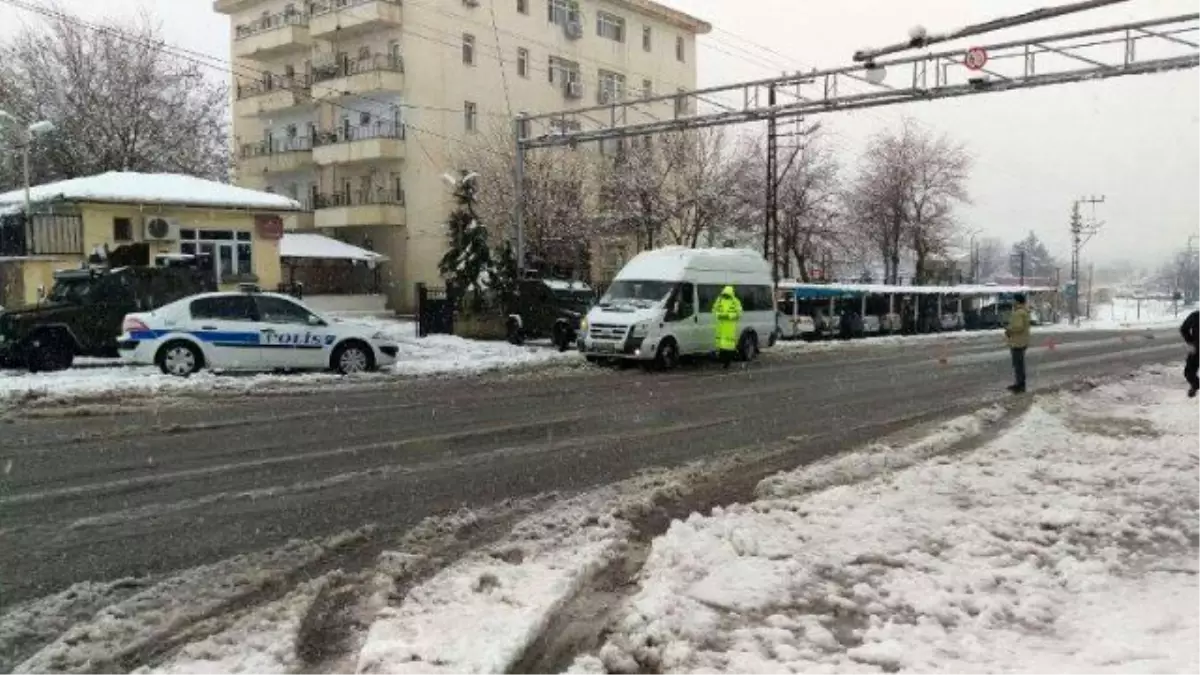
[[698, 195], [634, 179], [117, 100], [558, 224], [904, 196], [810, 219]]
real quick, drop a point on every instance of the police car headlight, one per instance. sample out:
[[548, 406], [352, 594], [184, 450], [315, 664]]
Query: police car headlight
[[639, 330]]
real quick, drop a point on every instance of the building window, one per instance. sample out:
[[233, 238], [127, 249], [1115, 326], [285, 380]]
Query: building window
[[468, 49], [122, 229], [647, 89], [679, 55], [562, 71], [522, 62], [646, 38], [681, 106], [523, 6], [610, 26], [612, 87], [559, 11], [469, 115], [522, 125], [231, 251]]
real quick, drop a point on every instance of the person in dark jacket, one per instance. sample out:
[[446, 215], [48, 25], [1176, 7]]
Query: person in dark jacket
[[1017, 335], [1190, 330]]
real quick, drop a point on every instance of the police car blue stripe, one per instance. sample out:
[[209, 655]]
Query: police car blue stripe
[[227, 339]]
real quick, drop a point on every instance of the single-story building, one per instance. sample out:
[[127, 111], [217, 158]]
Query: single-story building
[[235, 228]]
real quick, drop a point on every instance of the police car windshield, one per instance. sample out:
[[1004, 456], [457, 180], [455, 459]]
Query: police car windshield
[[641, 294], [74, 291]]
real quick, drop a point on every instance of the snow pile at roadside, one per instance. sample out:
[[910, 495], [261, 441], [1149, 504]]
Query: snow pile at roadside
[[429, 356], [875, 459], [145, 618], [441, 354], [480, 614], [262, 641], [1066, 544], [484, 612]]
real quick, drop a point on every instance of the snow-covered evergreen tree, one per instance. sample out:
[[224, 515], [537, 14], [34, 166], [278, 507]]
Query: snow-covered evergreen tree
[[467, 264], [504, 278]]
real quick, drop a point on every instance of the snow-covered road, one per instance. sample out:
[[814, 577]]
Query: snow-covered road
[[1063, 540], [1067, 544]]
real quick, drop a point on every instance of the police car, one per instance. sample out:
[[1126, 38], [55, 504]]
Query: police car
[[248, 330]]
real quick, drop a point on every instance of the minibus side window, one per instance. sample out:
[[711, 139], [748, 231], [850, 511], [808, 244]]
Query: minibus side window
[[685, 302]]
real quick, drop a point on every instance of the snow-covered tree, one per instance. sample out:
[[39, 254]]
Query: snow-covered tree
[[504, 276], [557, 194], [903, 199], [1038, 261], [467, 264], [117, 99]]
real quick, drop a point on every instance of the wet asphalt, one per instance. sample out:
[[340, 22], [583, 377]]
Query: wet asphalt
[[168, 484]]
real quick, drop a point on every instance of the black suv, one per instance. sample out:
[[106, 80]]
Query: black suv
[[549, 308], [82, 314]]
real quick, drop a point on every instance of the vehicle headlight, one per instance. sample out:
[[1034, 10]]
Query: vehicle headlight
[[639, 330], [583, 325]]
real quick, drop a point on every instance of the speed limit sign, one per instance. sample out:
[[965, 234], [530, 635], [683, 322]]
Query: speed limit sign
[[976, 58]]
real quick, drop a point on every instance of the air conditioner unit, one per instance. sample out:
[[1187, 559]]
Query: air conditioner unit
[[574, 29], [157, 228], [574, 89]]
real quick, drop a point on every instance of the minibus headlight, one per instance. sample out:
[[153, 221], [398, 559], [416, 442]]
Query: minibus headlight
[[639, 330]]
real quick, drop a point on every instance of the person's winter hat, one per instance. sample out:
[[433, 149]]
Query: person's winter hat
[[1019, 297]]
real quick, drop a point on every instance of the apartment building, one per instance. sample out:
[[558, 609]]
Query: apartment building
[[358, 107]]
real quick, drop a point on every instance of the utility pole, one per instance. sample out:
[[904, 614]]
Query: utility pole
[[1081, 233], [1191, 289], [770, 213], [519, 197]]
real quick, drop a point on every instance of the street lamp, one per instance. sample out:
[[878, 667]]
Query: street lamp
[[32, 131]]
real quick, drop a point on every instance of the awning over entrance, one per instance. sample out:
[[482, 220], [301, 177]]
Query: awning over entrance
[[311, 245]]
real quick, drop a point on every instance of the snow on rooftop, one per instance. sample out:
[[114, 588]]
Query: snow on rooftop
[[312, 245], [152, 188], [670, 263]]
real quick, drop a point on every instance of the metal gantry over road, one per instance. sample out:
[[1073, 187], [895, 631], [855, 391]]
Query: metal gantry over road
[[1135, 48]]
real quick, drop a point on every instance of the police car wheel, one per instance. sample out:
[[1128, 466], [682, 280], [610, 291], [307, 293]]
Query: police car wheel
[[180, 359], [352, 358]]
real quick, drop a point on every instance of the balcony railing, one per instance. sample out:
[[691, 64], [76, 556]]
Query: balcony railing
[[359, 198], [295, 83], [360, 133], [357, 66], [276, 147], [269, 23], [327, 6]]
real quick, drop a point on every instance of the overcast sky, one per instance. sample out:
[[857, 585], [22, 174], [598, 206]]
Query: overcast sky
[[1134, 140]]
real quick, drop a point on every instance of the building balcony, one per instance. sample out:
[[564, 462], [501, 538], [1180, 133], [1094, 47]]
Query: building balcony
[[380, 142], [378, 73], [272, 35], [284, 156], [233, 6], [348, 18], [358, 208], [276, 95]]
